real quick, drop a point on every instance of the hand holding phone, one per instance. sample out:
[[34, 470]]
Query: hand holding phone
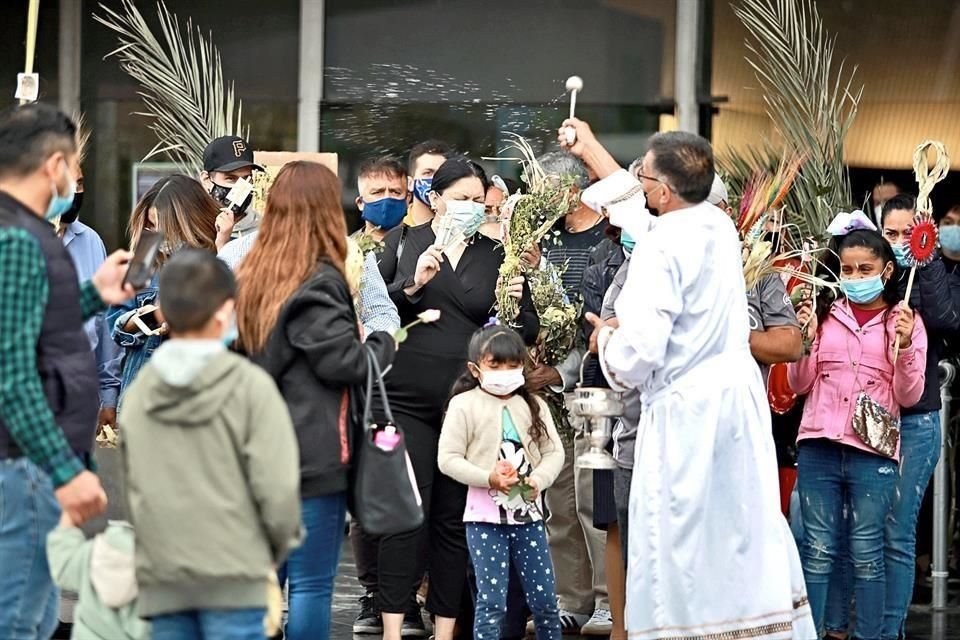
[[238, 197], [144, 260]]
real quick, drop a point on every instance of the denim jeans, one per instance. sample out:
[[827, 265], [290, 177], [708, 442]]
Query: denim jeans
[[493, 549], [210, 624], [312, 568], [829, 476], [29, 601], [919, 452]]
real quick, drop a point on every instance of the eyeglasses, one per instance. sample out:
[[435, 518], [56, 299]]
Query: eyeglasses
[[641, 176]]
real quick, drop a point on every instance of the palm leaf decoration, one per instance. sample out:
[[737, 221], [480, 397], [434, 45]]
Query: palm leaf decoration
[[812, 103], [181, 82]]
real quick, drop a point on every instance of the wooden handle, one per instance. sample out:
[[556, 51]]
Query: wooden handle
[[906, 304]]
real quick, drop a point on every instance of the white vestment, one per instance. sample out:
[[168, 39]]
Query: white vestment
[[710, 554]]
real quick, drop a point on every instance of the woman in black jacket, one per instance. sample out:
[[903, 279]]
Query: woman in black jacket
[[296, 319], [461, 282]]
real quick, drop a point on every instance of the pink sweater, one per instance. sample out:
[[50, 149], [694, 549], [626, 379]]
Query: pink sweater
[[846, 359]]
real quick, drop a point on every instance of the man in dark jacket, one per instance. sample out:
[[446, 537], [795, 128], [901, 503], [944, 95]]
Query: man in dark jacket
[[48, 375]]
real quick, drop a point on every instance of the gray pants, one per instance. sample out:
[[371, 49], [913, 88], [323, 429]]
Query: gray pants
[[576, 544]]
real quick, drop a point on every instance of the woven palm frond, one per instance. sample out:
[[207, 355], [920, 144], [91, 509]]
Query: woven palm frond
[[811, 101], [181, 82]]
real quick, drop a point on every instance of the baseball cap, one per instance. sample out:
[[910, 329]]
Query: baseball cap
[[228, 153]]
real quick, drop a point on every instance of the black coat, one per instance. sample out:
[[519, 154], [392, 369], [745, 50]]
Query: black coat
[[319, 363], [936, 297], [606, 260]]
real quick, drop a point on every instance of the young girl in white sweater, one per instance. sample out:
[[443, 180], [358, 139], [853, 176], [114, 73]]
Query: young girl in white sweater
[[500, 441]]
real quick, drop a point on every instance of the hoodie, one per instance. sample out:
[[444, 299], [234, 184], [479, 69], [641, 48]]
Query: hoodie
[[212, 479], [101, 571]]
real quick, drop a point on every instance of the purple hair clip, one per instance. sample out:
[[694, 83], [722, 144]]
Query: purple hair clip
[[492, 322]]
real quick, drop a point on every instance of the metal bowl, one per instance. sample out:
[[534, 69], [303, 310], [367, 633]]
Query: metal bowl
[[597, 402]]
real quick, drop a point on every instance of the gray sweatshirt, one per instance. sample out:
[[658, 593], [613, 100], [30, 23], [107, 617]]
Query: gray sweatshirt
[[213, 477]]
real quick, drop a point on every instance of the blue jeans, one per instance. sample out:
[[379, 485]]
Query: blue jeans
[[210, 624], [829, 476], [919, 452], [312, 568], [493, 548], [29, 601]]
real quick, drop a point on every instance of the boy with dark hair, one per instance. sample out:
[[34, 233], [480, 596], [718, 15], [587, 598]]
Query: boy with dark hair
[[213, 466]]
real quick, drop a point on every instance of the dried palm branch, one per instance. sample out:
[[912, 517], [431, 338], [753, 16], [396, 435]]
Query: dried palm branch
[[82, 136], [811, 101], [181, 82]]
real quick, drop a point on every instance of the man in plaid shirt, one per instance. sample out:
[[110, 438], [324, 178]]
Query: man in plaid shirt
[[48, 377]]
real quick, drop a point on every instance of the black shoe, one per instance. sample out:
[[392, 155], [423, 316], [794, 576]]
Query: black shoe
[[368, 620], [413, 626]]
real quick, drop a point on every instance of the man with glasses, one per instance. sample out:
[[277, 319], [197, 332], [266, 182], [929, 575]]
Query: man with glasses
[[709, 551]]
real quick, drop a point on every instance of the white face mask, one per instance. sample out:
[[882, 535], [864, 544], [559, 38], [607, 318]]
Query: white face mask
[[501, 382]]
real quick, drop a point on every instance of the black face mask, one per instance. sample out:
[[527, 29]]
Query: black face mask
[[219, 193], [71, 214]]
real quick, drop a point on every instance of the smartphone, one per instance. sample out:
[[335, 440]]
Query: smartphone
[[141, 268], [147, 320]]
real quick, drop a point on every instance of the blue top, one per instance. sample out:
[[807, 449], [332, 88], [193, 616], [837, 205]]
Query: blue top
[[88, 253]]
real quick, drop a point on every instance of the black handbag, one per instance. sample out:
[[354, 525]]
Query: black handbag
[[385, 496]]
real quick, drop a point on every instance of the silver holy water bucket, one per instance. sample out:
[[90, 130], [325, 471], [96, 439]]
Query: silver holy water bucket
[[597, 407]]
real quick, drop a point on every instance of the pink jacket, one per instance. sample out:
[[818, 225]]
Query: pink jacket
[[846, 359]]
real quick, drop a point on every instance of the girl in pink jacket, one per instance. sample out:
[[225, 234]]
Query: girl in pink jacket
[[849, 436]]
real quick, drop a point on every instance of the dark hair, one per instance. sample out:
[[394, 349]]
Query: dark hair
[[382, 166], [30, 134], [899, 202], [455, 169], [503, 345], [426, 148], [193, 285], [686, 161], [830, 269]]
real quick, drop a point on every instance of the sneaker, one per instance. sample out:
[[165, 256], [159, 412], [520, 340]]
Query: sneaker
[[368, 620], [599, 624], [413, 626], [570, 623]]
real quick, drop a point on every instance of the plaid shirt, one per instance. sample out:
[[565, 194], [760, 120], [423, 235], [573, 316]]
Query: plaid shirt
[[24, 291]]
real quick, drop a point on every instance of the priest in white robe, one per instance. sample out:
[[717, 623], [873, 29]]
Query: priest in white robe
[[710, 555]]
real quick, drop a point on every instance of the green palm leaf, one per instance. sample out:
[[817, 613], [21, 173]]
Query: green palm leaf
[[811, 101], [181, 82]]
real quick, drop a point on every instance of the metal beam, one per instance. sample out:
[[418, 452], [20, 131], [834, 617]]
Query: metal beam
[[311, 74], [69, 55], [686, 60]]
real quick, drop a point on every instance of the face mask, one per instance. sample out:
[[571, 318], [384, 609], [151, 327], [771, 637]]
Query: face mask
[[70, 215], [501, 382], [862, 291], [61, 204], [421, 187], [220, 192], [468, 213], [950, 238], [627, 241], [901, 255], [655, 212], [231, 334], [385, 213]]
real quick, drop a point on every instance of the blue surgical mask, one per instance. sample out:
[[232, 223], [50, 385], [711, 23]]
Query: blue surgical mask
[[863, 291], [627, 241], [60, 204], [232, 332], [421, 187], [950, 238], [468, 213], [385, 213], [901, 254]]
